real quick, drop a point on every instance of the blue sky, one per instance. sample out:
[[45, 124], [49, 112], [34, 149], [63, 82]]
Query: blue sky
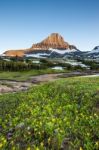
[[24, 22]]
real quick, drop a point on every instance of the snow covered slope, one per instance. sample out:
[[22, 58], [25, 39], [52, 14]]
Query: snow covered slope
[[95, 50]]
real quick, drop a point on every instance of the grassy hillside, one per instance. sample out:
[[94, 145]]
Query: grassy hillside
[[58, 115]]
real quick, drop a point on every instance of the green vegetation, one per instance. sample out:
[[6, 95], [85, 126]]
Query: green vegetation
[[19, 66], [25, 75], [94, 65], [64, 113], [26, 65], [22, 69]]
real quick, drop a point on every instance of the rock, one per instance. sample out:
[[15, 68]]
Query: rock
[[9, 136], [65, 144], [1, 128], [20, 125]]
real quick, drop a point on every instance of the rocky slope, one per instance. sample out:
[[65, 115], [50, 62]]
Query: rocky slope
[[13, 53]]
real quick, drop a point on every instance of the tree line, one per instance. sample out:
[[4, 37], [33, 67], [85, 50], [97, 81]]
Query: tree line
[[18, 66]]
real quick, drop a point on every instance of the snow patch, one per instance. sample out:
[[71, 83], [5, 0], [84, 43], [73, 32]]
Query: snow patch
[[36, 61], [42, 55], [62, 51], [2, 55], [74, 63], [58, 68], [38, 55]]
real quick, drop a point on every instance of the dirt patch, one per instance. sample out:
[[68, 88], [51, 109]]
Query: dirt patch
[[4, 89], [45, 78], [7, 86], [15, 86]]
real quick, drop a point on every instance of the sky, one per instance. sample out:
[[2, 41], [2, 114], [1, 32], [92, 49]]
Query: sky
[[24, 22]]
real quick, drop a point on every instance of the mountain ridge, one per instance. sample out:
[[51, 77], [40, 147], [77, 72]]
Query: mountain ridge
[[53, 41]]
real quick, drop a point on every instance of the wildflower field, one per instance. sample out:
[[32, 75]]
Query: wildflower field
[[59, 115]]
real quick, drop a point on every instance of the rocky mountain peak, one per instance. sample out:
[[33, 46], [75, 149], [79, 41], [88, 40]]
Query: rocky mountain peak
[[97, 47], [54, 40]]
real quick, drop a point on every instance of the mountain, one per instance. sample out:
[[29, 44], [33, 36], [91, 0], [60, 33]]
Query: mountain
[[94, 54], [95, 50], [53, 45]]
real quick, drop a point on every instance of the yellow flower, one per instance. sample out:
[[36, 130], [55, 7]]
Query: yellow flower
[[40, 123], [81, 148], [97, 143], [53, 119], [28, 148], [4, 141], [49, 140], [13, 148], [95, 115], [37, 148], [1, 145], [12, 142], [42, 144], [88, 134]]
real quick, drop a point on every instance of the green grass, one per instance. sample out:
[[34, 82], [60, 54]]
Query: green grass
[[25, 75], [44, 117]]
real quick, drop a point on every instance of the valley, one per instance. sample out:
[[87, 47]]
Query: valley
[[49, 97], [49, 74]]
